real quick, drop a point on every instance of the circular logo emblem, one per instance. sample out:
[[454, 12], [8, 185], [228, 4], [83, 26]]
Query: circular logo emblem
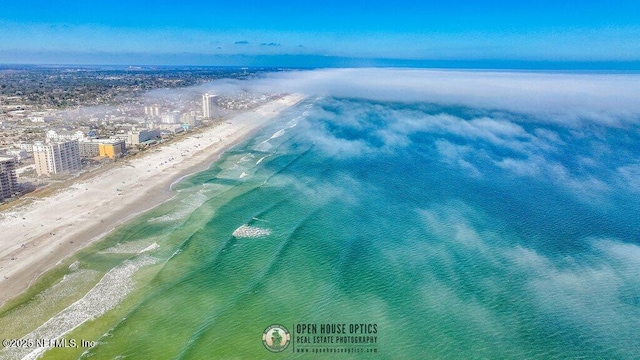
[[276, 338]]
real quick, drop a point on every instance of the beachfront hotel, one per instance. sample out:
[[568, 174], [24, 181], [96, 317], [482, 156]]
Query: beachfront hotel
[[56, 158], [110, 148], [137, 137], [8, 178], [209, 104], [189, 118]]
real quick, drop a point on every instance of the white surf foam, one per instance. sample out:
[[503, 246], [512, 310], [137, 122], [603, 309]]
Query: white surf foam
[[246, 231], [246, 158], [263, 146], [262, 158], [186, 207], [277, 134], [150, 248], [114, 286]]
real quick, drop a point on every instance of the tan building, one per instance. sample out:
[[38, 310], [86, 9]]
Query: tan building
[[56, 158], [110, 148], [8, 178], [140, 136], [88, 148]]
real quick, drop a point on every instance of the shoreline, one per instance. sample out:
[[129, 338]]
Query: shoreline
[[44, 233]]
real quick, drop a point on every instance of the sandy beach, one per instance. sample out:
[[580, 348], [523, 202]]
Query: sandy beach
[[38, 236]]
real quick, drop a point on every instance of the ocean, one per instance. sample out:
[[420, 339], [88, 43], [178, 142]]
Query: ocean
[[387, 230]]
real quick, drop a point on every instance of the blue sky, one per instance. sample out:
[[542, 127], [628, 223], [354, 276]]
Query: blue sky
[[203, 32]]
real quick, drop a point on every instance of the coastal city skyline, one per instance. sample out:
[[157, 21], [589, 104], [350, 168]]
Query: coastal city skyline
[[42, 138], [330, 33]]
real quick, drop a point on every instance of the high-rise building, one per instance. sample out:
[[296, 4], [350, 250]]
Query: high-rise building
[[56, 158], [170, 118], [8, 178], [189, 118], [136, 137], [152, 110], [209, 105]]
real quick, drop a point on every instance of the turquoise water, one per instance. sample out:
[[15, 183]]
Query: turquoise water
[[457, 236]]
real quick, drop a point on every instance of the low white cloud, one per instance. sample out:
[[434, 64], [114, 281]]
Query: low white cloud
[[523, 167], [630, 177], [454, 154], [591, 293], [560, 98], [554, 127], [596, 292], [502, 133]]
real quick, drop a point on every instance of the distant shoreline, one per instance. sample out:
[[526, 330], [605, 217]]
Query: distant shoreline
[[307, 62], [42, 234]]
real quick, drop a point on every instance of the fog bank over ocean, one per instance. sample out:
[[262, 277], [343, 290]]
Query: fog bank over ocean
[[568, 98]]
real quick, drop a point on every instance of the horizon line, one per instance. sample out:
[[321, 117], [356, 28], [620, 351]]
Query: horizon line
[[339, 62], [304, 61]]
